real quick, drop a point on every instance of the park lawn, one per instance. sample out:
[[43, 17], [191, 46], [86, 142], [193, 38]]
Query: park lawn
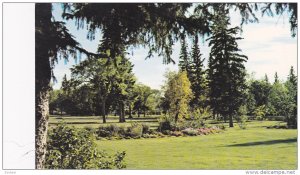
[[253, 148], [96, 121]]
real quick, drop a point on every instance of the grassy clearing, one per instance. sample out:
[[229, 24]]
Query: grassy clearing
[[253, 148]]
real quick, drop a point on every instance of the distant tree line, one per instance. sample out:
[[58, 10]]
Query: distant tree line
[[102, 87]]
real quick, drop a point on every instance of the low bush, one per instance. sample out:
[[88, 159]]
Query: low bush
[[135, 130], [190, 132], [146, 128], [166, 123], [166, 132], [122, 132], [89, 128], [176, 133], [242, 121], [103, 131], [70, 148]]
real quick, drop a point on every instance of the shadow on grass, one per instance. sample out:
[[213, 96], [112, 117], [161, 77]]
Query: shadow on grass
[[269, 142]]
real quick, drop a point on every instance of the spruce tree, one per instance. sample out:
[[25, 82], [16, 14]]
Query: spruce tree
[[226, 69], [276, 80], [197, 77], [183, 58], [266, 79], [291, 85], [292, 78]]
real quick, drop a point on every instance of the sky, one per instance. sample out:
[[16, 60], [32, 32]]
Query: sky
[[268, 45]]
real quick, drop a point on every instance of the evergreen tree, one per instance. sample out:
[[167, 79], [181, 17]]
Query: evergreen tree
[[266, 79], [292, 78], [291, 85], [276, 80], [197, 77], [226, 68], [183, 58]]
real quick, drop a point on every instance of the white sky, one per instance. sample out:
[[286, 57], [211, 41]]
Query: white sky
[[268, 45]]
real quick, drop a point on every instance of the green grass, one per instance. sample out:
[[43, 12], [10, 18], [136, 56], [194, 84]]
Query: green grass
[[96, 121], [253, 148]]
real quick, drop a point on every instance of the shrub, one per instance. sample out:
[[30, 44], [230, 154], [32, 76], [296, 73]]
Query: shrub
[[70, 148], [122, 131], [190, 132], [166, 132], [113, 129], [242, 121], [176, 133], [159, 134], [135, 130], [166, 123], [110, 131], [152, 132], [146, 128], [90, 129], [103, 131], [146, 135]]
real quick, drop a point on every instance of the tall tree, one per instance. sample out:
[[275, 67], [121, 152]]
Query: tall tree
[[260, 89], [277, 98], [197, 76], [276, 80], [226, 68], [107, 80], [121, 90], [51, 39], [143, 93], [183, 57], [266, 79], [291, 85]]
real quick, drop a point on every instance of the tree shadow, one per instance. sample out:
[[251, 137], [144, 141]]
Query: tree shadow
[[269, 142]]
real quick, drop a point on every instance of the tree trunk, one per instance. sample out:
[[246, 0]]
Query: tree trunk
[[144, 113], [176, 117], [138, 112], [103, 111], [42, 80], [130, 115], [230, 121], [121, 113]]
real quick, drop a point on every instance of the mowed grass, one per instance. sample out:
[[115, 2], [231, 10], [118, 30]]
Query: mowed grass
[[253, 148], [96, 121]]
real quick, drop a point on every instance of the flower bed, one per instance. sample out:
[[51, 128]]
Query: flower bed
[[137, 131]]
